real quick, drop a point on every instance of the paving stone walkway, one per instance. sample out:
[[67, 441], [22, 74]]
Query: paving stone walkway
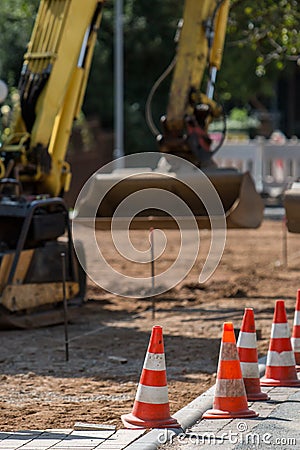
[[63, 439], [277, 426]]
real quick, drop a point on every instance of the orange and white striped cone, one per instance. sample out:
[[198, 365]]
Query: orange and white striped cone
[[247, 351], [281, 365], [151, 405], [295, 339], [230, 400]]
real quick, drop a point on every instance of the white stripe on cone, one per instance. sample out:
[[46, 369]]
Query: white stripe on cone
[[295, 344], [246, 340], [280, 330], [284, 359], [230, 388], [156, 395], [155, 361], [297, 318], [250, 370]]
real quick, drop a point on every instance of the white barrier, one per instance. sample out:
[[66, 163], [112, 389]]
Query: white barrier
[[273, 166]]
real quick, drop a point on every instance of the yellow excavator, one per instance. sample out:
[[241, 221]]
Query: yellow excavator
[[184, 133], [34, 173]]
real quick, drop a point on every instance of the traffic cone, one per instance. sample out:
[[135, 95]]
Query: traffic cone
[[151, 405], [247, 351], [230, 399], [281, 365], [295, 339]]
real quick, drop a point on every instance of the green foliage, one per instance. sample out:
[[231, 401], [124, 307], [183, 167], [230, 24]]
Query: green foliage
[[99, 95], [149, 29], [270, 28], [149, 47], [262, 44], [16, 19], [238, 120]]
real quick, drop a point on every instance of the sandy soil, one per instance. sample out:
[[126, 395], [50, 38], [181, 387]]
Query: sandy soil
[[108, 339]]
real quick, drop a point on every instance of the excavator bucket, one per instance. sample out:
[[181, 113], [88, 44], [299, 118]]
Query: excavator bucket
[[242, 205], [291, 203]]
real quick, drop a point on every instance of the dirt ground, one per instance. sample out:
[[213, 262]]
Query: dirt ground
[[109, 337]]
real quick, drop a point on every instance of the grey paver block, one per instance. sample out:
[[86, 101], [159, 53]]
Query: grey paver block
[[77, 448], [93, 426], [121, 439], [4, 435], [88, 439], [46, 439], [18, 439]]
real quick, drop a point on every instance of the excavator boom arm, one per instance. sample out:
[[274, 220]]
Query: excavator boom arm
[[52, 86], [200, 46]]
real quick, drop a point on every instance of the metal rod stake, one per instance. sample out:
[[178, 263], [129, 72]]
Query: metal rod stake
[[284, 243], [152, 272], [63, 256]]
